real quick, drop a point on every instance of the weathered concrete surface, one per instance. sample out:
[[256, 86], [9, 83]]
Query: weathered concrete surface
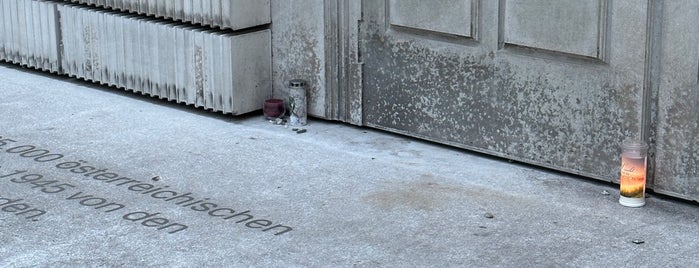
[[677, 153], [535, 104], [444, 16], [569, 26], [36, 46], [217, 70], [353, 197], [298, 50], [228, 14]]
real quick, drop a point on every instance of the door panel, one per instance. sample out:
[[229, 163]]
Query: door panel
[[562, 96], [442, 16], [567, 26]]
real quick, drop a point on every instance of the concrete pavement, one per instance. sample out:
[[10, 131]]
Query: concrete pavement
[[98, 177]]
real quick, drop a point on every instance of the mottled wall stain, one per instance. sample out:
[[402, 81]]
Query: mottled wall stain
[[520, 107], [298, 50], [677, 123], [199, 75], [90, 39], [678, 146]]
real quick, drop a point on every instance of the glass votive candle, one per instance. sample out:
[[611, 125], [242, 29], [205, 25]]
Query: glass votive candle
[[273, 109], [632, 182]]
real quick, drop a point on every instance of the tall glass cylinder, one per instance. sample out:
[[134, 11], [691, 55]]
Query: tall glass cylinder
[[297, 102], [632, 183]]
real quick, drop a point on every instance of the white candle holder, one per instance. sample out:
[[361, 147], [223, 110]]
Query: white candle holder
[[632, 182]]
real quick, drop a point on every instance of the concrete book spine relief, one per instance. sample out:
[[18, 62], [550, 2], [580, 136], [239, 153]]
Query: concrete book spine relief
[[29, 34], [131, 46], [225, 14]]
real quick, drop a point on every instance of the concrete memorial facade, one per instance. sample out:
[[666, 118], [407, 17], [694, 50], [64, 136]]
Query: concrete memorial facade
[[124, 180], [558, 85]]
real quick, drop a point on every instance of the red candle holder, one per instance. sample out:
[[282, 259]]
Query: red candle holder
[[273, 109]]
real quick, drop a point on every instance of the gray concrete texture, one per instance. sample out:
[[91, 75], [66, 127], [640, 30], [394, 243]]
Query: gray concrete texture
[[558, 84], [519, 96], [226, 14], [99, 177], [299, 50]]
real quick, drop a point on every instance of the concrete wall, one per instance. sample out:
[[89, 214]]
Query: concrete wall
[[677, 96], [210, 65], [298, 49], [506, 87], [556, 84]]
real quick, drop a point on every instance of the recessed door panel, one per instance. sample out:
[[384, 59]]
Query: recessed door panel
[[566, 26], [441, 16]]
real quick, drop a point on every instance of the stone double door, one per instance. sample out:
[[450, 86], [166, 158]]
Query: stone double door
[[557, 84]]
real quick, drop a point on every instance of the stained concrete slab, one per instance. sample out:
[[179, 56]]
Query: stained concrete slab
[[112, 179]]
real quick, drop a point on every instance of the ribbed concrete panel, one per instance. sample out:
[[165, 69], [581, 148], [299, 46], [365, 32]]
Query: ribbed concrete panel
[[217, 70], [29, 34], [225, 14]]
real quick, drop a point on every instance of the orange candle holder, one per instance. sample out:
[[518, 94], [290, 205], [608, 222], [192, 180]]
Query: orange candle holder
[[632, 182]]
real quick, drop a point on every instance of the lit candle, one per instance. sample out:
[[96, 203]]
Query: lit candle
[[632, 183]]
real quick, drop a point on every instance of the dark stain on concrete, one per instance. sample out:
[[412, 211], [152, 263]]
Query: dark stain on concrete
[[432, 194]]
